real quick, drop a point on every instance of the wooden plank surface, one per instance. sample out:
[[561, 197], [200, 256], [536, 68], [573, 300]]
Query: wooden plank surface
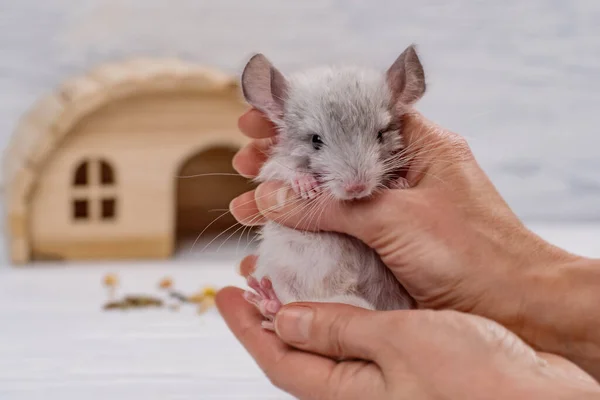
[[57, 343]]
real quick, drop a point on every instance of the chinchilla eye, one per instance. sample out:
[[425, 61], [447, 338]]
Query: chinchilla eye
[[380, 135], [317, 142]]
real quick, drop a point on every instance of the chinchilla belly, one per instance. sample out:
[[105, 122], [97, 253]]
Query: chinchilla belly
[[307, 266]]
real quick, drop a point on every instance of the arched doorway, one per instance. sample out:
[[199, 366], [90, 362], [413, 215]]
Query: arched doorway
[[204, 190]]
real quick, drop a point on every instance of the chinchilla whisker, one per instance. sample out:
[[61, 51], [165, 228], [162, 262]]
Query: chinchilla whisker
[[208, 174], [313, 208], [230, 236], [221, 234], [205, 228], [298, 209], [215, 220]]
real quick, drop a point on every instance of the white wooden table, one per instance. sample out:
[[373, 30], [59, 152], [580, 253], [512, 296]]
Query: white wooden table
[[57, 343]]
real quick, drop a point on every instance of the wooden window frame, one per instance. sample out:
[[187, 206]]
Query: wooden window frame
[[97, 187]]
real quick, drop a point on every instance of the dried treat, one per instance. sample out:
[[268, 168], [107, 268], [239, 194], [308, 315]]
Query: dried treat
[[111, 280], [209, 291], [166, 283], [196, 298], [201, 297], [179, 296], [143, 301], [138, 301], [115, 305], [204, 299], [207, 304]]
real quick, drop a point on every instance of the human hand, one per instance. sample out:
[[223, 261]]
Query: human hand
[[417, 354], [450, 239]]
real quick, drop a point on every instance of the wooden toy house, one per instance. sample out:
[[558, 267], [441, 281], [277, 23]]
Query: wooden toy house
[[94, 171]]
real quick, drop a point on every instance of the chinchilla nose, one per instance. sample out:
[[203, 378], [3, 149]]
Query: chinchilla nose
[[355, 187]]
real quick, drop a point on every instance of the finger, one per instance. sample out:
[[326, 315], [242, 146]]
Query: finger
[[567, 368], [365, 220], [431, 150], [245, 210], [420, 137], [277, 201], [256, 125], [302, 374], [247, 265], [416, 129], [250, 158], [335, 330]]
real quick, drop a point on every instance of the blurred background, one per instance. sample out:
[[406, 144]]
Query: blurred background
[[519, 79]]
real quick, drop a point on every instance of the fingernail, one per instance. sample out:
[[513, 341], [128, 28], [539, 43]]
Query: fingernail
[[240, 207], [293, 324], [270, 196], [281, 197], [235, 161]]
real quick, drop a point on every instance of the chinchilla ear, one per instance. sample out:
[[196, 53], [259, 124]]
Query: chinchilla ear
[[406, 77], [264, 87]]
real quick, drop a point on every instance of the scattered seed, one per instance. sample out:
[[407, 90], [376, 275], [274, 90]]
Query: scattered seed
[[209, 291], [111, 280], [166, 283], [179, 297], [207, 304]]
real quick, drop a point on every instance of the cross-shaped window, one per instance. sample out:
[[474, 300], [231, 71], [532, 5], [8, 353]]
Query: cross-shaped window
[[94, 193]]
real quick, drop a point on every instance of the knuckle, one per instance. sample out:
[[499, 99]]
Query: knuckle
[[336, 332], [394, 322], [343, 377], [459, 146], [336, 381]]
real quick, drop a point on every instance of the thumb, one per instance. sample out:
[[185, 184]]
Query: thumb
[[366, 220], [330, 329]]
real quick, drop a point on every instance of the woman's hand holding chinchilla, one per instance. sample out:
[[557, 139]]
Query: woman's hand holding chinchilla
[[450, 238]]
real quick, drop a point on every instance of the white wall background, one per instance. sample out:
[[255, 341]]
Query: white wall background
[[520, 79]]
